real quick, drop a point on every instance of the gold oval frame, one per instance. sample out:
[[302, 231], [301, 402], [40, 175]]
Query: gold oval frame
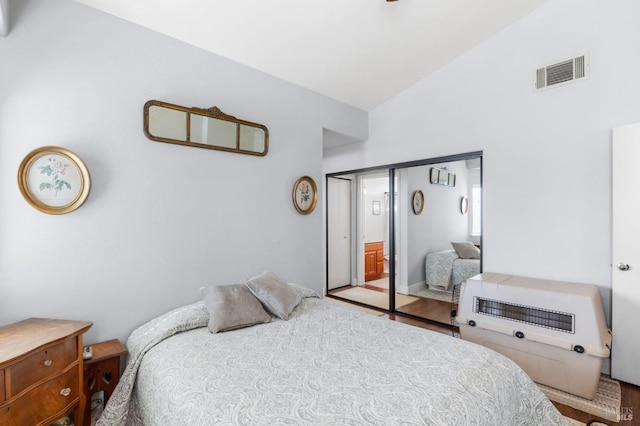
[[297, 193], [39, 203], [464, 204], [414, 199]]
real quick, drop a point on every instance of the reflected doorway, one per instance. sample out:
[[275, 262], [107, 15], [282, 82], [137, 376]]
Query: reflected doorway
[[339, 232], [369, 248]]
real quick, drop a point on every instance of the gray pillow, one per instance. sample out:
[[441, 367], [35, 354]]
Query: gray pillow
[[466, 250], [304, 292], [277, 296], [231, 307]]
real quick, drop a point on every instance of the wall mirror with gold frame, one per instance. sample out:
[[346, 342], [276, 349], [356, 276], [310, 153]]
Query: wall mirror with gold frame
[[203, 128]]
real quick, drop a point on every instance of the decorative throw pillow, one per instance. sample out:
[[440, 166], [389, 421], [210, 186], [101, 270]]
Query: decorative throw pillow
[[231, 307], [277, 296], [466, 250], [304, 292]]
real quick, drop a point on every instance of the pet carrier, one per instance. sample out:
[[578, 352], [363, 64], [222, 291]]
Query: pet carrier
[[555, 331]]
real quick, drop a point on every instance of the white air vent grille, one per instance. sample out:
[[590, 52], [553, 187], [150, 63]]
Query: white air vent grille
[[563, 72]]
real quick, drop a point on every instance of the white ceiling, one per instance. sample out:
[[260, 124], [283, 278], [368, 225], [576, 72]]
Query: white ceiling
[[360, 52]]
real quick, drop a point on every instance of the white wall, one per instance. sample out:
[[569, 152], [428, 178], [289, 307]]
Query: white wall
[[161, 220], [474, 178], [375, 225], [547, 156], [4, 18], [440, 222]]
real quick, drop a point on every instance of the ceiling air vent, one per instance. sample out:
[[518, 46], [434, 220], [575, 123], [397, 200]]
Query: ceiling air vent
[[564, 72]]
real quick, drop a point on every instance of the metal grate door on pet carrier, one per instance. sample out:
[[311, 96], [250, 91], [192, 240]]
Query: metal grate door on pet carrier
[[554, 320]]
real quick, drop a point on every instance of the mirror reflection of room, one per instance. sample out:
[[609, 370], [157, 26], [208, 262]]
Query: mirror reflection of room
[[376, 231], [441, 245], [370, 268], [436, 248]]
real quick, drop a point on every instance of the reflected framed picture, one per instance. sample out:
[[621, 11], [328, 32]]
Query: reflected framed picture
[[53, 180], [451, 179], [443, 177], [376, 207], [464, 205], [417, 202], [433, 175], [305, 195]]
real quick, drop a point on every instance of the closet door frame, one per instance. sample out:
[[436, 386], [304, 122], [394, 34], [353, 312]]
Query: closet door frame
[[393, 254]]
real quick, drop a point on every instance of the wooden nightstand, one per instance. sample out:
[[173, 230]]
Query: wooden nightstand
[[102, 372]]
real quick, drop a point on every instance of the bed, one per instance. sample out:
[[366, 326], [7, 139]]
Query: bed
[[325, 365], [445, 269]]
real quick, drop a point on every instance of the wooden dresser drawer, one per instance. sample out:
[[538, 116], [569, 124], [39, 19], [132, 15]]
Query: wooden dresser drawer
[[42, 364], [46, 363], [43, 401]]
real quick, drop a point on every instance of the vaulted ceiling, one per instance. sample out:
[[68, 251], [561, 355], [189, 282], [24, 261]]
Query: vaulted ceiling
[[360, 52]]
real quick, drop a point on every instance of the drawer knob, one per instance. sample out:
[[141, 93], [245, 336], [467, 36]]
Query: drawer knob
[[65, 391], [48, 363]]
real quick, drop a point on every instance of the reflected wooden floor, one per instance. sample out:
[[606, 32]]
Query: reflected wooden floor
[[429, 309]]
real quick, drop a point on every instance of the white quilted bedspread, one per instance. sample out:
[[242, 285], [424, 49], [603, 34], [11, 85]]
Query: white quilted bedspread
[[327, 365]]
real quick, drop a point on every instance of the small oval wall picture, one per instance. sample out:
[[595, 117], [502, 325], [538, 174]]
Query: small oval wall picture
[[305, 195], [53, 180], [417, 202], [464, 205]]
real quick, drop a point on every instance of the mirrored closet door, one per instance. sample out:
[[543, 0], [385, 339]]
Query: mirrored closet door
[[402, 238], [358, 234]]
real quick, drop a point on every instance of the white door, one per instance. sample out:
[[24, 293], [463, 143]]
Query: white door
[[625, 278], [339, 232], [402, 231]]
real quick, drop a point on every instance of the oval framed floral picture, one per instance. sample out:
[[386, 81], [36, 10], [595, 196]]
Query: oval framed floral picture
[[305, 195], [417, 202], [53, 180]]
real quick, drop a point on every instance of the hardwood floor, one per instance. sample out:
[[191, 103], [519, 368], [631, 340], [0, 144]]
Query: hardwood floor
[[630, 405], [434, 310], [428, 309], [419, 323], [630, 393]]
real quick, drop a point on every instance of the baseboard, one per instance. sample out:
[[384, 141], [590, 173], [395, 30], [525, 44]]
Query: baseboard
[[415, 287], [411, 289]]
